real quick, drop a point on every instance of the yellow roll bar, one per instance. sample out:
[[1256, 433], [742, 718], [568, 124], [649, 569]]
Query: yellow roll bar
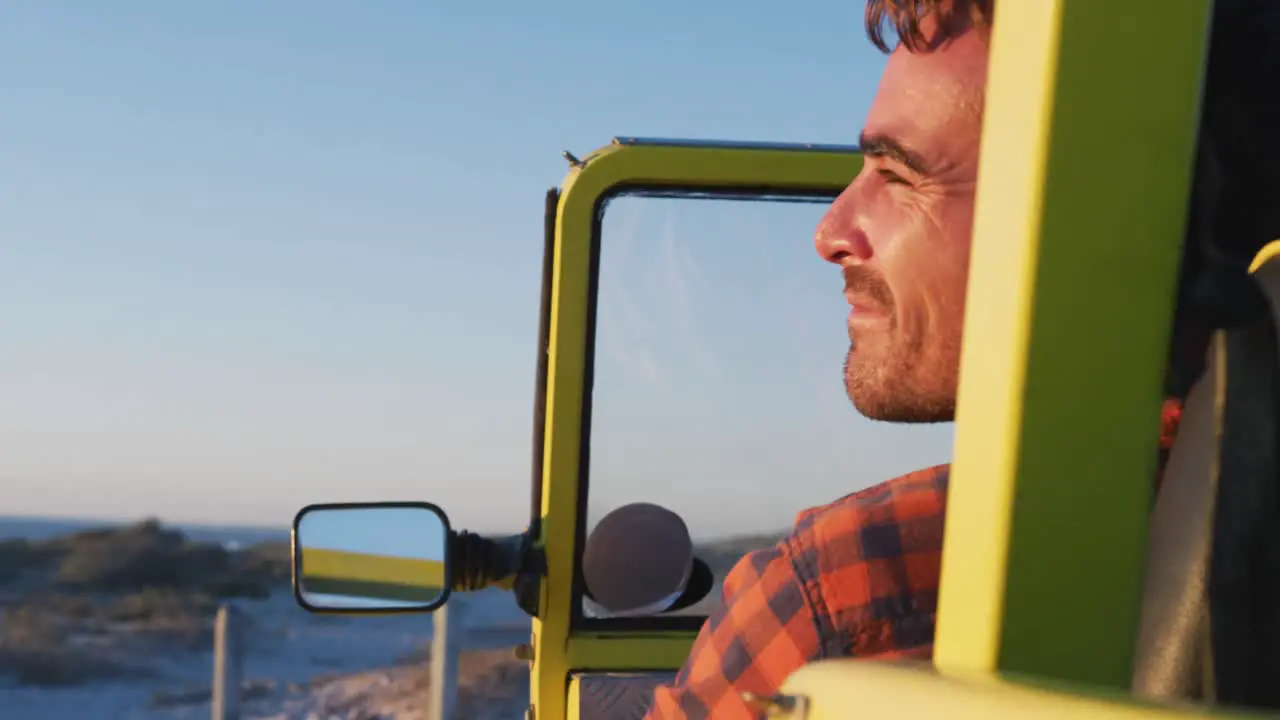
[[1086, 162]]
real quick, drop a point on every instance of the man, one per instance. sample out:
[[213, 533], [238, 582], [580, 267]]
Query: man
[[859, 577]]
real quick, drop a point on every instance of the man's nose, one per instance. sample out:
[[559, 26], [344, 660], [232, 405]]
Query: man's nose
[[840, 237]]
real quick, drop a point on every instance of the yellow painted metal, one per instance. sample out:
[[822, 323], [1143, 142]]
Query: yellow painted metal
[[573, 700], [1267, 254], [621, 652], [628, 651], [368, 567], [1085, 166], [557, 650], [840, 689]]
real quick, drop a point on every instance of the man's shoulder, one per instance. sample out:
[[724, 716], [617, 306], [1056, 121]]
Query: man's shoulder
[[870, 563], [922, 492]]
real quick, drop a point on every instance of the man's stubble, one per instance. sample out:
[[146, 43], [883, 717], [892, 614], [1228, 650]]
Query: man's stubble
[[891, 382]]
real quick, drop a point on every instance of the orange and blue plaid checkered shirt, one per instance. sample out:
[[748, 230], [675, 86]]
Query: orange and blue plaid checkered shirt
[[856, 578]]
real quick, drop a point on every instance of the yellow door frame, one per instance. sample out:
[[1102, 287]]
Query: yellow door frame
[[1086, 164], [563, 641]]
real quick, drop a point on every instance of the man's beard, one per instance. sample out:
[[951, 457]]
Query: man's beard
[[888, 389]]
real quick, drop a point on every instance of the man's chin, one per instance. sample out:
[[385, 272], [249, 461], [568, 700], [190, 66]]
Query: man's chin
[[864, 383], [868, 398], [869, 404], [876, 396], [881, 409]]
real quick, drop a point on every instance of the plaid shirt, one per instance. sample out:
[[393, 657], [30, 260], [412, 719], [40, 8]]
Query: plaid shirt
[[856, 578]]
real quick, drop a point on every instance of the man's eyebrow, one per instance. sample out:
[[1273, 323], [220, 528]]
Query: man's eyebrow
[[887, 146]]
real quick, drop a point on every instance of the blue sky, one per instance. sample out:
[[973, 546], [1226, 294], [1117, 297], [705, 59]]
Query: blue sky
[[396, 531], [258, 255]]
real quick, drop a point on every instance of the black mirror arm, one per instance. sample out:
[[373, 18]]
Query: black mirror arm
[[512, 563]]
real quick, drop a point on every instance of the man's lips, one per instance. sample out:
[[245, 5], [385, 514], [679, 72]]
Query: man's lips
[[863, 306]]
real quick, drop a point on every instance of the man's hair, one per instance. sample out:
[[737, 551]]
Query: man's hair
[[904, 18]]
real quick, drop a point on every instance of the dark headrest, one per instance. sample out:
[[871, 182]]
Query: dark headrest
[[1235, 201]]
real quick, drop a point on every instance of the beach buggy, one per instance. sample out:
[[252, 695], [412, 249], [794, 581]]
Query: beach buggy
[[1164, 605]]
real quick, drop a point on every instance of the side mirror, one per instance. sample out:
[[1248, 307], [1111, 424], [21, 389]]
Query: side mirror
[[371, 557]]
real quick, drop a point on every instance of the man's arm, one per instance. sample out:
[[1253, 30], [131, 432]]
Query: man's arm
[[856, 578], [763, 631]]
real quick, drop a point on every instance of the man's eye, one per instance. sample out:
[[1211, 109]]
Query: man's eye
[[892, 177]]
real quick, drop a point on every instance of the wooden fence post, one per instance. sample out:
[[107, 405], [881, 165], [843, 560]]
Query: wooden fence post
[[446, 645], [228, 663]]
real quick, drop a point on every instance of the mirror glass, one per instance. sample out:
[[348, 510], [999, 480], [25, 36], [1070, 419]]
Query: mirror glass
[[718, 387], [373, 557]]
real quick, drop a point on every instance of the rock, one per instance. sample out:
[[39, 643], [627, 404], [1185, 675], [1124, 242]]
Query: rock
[[138, 557]]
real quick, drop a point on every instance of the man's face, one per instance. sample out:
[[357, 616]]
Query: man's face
[[900, 232]]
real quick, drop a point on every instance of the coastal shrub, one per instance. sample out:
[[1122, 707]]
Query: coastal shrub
[[179, 617], [32, 626], [158, 605], [35, 647], [265, 561], [18, 556], [62, 667], [138, 557]]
